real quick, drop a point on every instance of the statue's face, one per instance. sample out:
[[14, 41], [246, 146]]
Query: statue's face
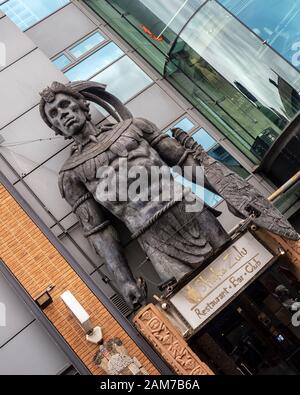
[[65, 114]]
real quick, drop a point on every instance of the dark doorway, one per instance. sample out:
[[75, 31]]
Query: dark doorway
[[255, 335]]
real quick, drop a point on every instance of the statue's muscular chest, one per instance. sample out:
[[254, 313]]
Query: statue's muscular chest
[[130, 149]]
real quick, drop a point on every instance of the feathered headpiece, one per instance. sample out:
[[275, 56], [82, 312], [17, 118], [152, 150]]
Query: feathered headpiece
[[84, 92]]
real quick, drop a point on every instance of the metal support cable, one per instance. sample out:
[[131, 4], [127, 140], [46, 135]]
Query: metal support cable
[[17, 143]]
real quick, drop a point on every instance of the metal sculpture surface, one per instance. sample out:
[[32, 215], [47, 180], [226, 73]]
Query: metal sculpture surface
[[175, 239]]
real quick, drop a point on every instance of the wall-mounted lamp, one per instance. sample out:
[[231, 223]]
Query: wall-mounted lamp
[[45, 299], [281, 251], [93, 334]]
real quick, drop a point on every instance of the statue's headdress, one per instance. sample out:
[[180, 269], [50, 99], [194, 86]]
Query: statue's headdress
[[84, 92]]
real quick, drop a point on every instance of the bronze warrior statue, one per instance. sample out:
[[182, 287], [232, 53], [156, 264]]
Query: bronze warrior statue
[[175, 239]]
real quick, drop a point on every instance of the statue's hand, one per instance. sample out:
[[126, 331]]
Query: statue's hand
[[135, 293]]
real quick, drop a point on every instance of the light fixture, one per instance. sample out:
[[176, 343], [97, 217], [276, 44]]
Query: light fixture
[[106, 280], [45, 299], [93, 334]]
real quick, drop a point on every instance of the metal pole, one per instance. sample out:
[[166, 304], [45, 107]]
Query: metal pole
[[173, 17], [285, 187], [271, 198]]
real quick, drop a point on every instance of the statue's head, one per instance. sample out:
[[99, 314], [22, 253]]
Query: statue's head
[[64, 110]]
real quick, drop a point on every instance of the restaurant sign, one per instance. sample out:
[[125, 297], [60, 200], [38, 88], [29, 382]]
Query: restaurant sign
[[213, 288]]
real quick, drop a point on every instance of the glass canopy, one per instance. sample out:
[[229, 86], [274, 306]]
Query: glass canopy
[[227, 71]]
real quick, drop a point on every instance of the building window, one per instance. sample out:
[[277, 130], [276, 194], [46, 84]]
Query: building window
[[61, 62], [216, 151], [275, 21], [87, 45], [185, 124], [96, 59], [204, 139], [150, 26], [124, 79], [210, 198], [95, 63], [25, 13]]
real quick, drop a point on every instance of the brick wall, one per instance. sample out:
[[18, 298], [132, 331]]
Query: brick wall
[[36, 264]]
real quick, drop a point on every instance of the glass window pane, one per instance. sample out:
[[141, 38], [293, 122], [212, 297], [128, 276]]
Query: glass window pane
[[61, 62], [204, 194], [94, 63], [124, 79], [185, 124], [219, 153], [86, 45], [25, 13], [204, 139], [276, 21], [211, 198]]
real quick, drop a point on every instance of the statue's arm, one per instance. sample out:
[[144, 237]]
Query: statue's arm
[[101, 235], [241, 197], [171, 151]]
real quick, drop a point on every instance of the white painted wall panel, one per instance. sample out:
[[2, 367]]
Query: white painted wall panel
[[16, 43], [60, 30]]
